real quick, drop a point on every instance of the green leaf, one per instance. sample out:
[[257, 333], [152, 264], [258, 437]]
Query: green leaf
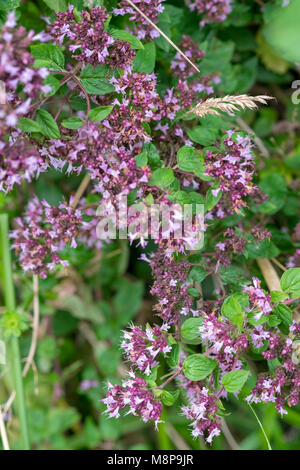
[[273, 320], [72, 123], [168, 398], [48, 126], [284, 313], [162, 178], [9, 4], [197, 274], [193, 292], [161, 42], [190, 160], [28, 125], [108, 360], [290, 282], [211, 199], [197, 366], [144, 61], [59, 420], [233, 381], [218, 58], [100, 71], [56, 5], [141, 159], [49, 56], [234, 307], [203, 135], [264, 249], [269, 56], [126, 36], [246, 75], [127, 301], [275, 187], [190, 330], [282, 30], [278, 296], [98, 114], [97, 86], [173, 358]]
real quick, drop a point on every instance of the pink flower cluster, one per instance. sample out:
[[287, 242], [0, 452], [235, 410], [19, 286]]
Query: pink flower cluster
[[213, 11], [202, 410], [135, 394], [231, 244], [170, 287], [220, 336], [19, 160], [137, 102], [150, 8], [45, 231], [259, 300], [92, 148], [294, 260], [88, 38], [283, 387], [142, 347], [234, 168], [184, 94]]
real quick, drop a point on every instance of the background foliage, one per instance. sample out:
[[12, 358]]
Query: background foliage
[[84, 311]]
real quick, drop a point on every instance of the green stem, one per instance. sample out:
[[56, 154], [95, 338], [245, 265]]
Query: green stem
[[10, 303], [164, 442], [261, 427]]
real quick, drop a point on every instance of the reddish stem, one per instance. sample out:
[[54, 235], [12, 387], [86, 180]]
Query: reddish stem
[[290, 301], [169, 380]]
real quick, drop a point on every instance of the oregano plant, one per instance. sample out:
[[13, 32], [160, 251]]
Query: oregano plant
[[152, 218]]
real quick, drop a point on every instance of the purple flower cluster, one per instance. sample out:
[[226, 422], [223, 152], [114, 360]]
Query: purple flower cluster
[[283, 387], [150, 8], [170, 287], [137, 102], [142, 347], [231, 244], [113, 168], [44, 231], [259, 300], [19, 159], [234, 168], [202, 410], [88, 38], [183, 95], [16, 69], [213, 11], [294, 260], [296, 233], [220, 336], [135, 394], [179, 65]]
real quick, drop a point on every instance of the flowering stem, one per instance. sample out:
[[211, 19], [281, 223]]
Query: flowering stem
[[163, 35], [261, 427], [290, 301], [166, 375], [164, 442], [169, 380], [10, 303]]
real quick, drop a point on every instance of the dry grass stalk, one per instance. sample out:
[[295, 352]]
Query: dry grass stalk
[[228, 104], [272, 279]]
